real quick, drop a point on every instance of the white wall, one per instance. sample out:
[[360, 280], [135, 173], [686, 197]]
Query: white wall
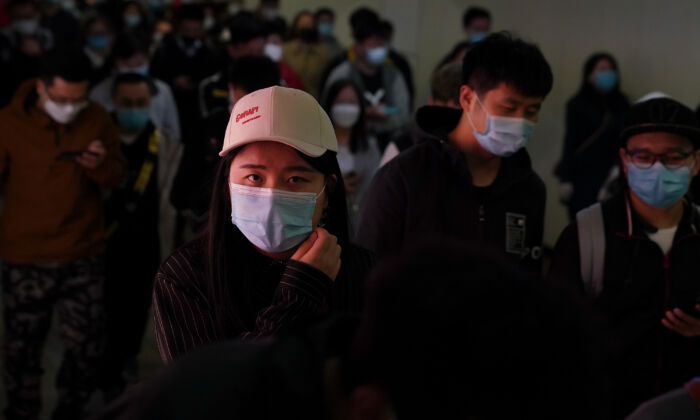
[[657, 44]]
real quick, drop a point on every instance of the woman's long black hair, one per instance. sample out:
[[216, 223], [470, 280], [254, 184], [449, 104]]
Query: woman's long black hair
[[228, 270], [589, 66], [358, 135]]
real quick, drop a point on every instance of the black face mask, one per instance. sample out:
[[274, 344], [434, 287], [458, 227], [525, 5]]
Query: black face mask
[[308, 35]]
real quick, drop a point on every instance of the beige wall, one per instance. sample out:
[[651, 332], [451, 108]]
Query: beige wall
[[656, 42]]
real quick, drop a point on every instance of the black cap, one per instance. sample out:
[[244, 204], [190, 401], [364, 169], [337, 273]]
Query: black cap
[[662, 115]]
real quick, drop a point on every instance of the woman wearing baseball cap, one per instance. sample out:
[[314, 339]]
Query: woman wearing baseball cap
[[275, 254]]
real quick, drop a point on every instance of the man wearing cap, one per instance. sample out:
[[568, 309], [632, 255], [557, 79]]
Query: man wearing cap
[[637, 256]]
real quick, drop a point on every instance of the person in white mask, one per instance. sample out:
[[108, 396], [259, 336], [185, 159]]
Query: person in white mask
[[59, 153], [275, 254], [276, 30], [358, 153], [471, 177]]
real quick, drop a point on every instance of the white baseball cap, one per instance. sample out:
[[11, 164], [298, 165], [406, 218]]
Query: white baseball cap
[[287, 116]]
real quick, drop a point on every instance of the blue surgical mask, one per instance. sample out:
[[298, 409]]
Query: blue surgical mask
[[133, 119], [503, 136], [659, 186], [325, 29], [132, 21], [97, 42], [478, 37], [142, 70], [272, 220], [606, 80], [377, 55]]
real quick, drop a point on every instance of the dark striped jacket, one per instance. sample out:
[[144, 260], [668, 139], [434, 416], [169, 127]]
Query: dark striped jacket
[[285, 296]]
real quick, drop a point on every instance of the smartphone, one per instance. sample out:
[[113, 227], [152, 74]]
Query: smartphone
[[72, 154]]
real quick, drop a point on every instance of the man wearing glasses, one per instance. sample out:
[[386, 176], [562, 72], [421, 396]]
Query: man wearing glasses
[[637, 256], [58, 152]]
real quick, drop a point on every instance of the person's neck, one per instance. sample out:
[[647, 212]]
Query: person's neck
[[343, 134], [364, 67], [660, 218], [483, 166]]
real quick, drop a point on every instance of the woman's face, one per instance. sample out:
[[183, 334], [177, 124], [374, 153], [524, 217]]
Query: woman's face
[[602, 65], [347, 95], [267, 164]]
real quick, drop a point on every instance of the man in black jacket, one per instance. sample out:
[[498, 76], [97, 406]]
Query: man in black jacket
[[636, 256], [477, 183]]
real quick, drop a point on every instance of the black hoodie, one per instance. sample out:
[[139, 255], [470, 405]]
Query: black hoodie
[[427, 190]]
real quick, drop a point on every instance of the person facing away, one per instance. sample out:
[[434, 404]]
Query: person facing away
[[130, 55], [636, 255], [444, 91], [269, 260], [478, 176], [594, 118], [58, 154], [192, 187], [140, 226], [464, 364], [358, 152]]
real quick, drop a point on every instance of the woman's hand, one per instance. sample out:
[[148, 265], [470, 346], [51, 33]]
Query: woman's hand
[[321, 251], [682, 323]]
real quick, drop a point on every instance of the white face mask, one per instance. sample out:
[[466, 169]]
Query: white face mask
[[274, 51], [26, 26], [208, 23], [234, 8], [63, 114], [345, 115], [503, 136]]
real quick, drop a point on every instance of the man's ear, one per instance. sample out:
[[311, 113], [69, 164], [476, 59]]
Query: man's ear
[[466, 96], [369, 402], [696, 166], [623, 160]]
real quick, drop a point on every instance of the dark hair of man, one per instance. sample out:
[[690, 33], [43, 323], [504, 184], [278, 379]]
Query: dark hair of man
[[474, 13], [362, 15], [324, 11], [276, 26], [456, 50], [228, 269], [244, 27], [132, 79], [450, 331], [446, 82], [71, 65], [127, 46], [252, 72], [501, 58], [367, 29], [96, 18], [386, 29], [191, 11], [358, 136]]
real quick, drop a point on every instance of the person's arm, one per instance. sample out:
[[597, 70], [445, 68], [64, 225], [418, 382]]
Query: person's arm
[[171, 120], [304, 286], [565, 268], [381, 222], [106, 166]]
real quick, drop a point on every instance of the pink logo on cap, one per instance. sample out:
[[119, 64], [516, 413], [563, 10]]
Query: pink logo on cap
[[247, 113]]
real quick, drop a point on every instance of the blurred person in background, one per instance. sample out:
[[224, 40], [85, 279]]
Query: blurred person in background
[[98, 38], [476, 24], [58, 154], [358, 153], [398, 59], [325, 24], [183, 60], [135, 21], [383, 87], [244, 34], [268, 10], [305, 53], [62, 24], [139, 227], [274, 49], [130, 55], [594, 118]]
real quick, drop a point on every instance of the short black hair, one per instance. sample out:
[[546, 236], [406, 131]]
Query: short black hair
[[324, 11], [132, 79], [254, 72], [386, 29], [128, 45], [501, 58], [190, 11], [474, 13], [70, 64], [244, 26], [366, 29], [362, 15], [447, 325], [276, 26]]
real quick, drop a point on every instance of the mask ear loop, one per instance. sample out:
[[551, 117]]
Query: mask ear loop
[[324, 216], [486, 129]]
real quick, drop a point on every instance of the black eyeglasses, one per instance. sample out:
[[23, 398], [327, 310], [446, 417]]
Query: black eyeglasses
[[643, 159]]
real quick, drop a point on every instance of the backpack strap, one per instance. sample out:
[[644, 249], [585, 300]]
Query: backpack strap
[[591, 242]]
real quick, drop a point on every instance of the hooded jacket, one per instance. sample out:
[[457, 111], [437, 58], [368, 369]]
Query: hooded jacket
[[428, 190], [52, 209]]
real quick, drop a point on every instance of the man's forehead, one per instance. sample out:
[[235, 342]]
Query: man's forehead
[[659, 140], [506, 93]]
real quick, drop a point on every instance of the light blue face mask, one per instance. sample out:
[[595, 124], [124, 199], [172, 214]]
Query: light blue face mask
[[132, 119], [478, 37], [659, 186], [132, 21], [503, 136], [97, 42], [377, 55], [325, 29], [272, 220], [606, 80]]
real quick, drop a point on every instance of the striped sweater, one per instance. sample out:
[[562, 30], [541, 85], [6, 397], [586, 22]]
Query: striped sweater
[[283, 296]]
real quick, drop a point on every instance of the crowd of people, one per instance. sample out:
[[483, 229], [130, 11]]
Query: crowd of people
[[314, 241]]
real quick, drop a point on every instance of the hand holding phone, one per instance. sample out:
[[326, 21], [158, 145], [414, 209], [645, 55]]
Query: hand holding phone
[[72, 154]]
